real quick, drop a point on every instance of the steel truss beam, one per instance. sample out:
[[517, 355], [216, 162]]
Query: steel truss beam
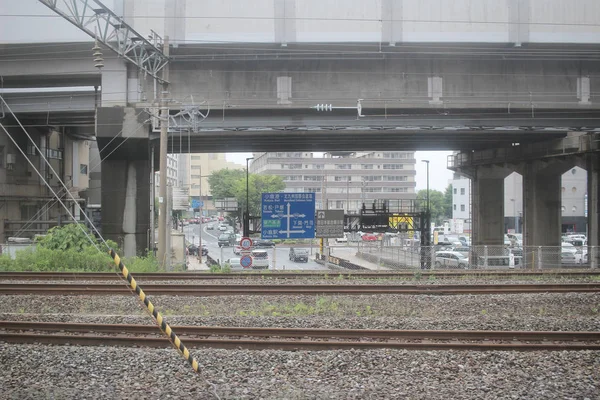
[[98, 21]]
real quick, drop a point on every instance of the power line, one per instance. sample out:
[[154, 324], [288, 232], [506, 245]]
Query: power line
[[329, 19]]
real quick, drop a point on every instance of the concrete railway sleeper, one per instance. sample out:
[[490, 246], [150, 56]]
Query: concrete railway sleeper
[[261, 289]]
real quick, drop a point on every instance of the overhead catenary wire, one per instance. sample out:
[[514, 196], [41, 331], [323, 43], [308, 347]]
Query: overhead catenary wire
[[327, 19]]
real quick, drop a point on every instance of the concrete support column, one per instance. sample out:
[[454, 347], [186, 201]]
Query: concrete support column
[[542, 214], [593, 184], [487, 192], [542, 205], [125, 199]]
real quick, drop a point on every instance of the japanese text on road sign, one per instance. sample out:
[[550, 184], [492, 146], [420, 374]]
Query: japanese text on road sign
[[288, 215]]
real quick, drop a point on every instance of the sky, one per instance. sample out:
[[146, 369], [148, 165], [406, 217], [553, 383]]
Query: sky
[[439, 175]]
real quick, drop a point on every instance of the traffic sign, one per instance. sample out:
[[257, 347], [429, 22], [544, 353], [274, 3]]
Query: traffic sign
[[197, 203], [330, 223], [246, 261], [246, 243], [288, 216]]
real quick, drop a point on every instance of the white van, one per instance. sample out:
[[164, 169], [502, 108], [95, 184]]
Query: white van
[[260, 259]]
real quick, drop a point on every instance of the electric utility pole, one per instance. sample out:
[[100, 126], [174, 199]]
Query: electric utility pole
[[162, 190]]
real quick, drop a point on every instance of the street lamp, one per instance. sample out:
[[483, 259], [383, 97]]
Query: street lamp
[[426, 261], [247, 218], [427, 161]]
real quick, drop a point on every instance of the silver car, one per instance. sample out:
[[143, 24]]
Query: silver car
[[451, 259]]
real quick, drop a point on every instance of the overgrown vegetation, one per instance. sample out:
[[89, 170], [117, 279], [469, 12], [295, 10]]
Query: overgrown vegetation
[[68, 249]]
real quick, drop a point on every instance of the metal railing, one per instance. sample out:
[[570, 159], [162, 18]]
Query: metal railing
[[480, 257]]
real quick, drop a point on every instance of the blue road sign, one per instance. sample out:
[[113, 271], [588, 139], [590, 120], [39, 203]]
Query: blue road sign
[[246, 261], [288, 216], [197, 203]]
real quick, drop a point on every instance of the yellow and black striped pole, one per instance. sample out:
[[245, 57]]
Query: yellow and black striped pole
[[173, 338]]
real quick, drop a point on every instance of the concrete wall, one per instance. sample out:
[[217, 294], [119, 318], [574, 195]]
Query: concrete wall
[[288, 21]]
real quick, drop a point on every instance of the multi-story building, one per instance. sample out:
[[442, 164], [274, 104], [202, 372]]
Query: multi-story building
[[574, 195], [172, 171], [27, 204], [198, 168], [344, 180]]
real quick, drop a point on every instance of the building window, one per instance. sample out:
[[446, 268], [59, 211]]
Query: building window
[[318, 166], [455, 205], [83, 168], [195, 167], [1, 156], [31, 150], [395, 178], [372, 178], [393, 166], [343, 166], [196, 158], [395, 154], [367, 166], [462, 207], [291, 166], [341, 178], [455, 191], [462, 190], [313, 178]]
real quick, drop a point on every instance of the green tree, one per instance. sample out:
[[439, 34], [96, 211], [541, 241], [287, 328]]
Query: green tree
[[448, 202], [232, 183], [223, 183], [436, 201]]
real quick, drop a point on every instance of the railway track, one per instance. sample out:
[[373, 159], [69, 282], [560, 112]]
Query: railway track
[[107, 276], [295, 338], [285, 289]]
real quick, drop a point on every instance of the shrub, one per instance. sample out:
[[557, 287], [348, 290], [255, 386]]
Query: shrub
[[142, 264]]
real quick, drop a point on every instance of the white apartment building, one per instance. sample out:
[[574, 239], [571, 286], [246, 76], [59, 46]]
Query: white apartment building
[[172, 171], [343, 180]]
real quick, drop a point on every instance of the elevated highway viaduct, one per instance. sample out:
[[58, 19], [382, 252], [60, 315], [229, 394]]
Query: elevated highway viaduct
[[508, 75]]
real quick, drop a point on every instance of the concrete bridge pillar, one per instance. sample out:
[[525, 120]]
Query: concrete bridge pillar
[[125, 204], [122, 135], [593, 198], [542, 198], [488, 205]]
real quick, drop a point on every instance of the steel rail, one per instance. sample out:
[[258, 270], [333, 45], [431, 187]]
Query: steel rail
[[291, 275], [305, 332], [284, 289], [284, 344]]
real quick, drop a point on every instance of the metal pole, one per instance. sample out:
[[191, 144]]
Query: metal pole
[[247, 215], [152, 205], [162, 190], [201, 216], [348, 196]]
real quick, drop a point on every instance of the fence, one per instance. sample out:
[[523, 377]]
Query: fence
[[480, 257]]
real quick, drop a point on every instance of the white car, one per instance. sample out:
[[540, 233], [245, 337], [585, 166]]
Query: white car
[[341, 240], [451, 259], [565, 246], [260, 259], [223, 228]]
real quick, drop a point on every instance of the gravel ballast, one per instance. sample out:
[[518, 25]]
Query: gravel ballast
[[36, 371]]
